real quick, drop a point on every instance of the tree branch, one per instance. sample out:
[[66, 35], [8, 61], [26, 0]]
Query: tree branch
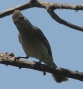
[[61, 21], [9, 59], [50, 7], [35, 3]]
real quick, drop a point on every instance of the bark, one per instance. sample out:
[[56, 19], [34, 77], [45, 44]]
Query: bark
[[9, 59]]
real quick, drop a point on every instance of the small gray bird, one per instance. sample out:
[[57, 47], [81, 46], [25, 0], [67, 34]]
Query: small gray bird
[[34, 42]]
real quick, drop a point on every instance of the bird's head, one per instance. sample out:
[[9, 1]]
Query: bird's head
[[19, 20]]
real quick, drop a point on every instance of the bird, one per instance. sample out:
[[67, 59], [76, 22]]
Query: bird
[[34, 42]]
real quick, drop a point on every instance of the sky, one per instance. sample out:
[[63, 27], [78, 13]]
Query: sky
[[66, 44]]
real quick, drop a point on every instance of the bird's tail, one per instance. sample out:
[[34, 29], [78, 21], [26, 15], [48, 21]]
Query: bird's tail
[[58, 78]]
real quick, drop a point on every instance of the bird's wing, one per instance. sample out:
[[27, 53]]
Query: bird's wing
[[19, 38], [41, 37]]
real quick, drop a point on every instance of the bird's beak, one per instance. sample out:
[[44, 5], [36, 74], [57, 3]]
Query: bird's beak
[[16, 21]]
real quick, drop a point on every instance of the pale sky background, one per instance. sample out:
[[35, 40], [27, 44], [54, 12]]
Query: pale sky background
[[66, 44]]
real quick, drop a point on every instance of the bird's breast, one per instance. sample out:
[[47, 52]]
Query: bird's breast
[[33, 47]]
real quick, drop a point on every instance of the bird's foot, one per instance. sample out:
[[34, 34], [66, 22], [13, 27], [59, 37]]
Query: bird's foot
[[44, 73], [39, 65], [17, 58]]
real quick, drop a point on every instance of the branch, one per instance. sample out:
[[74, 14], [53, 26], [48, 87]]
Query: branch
[[50, 7], [61, 21], [35, 3], [9, 59]]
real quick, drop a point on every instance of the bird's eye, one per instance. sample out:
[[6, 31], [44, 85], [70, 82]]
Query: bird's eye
[[21, 18]]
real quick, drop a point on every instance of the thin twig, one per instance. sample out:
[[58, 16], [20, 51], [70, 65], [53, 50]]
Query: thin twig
[[61, 21]]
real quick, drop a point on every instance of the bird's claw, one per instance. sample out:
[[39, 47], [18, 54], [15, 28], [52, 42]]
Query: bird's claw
[[17, 58], [44, 73]]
